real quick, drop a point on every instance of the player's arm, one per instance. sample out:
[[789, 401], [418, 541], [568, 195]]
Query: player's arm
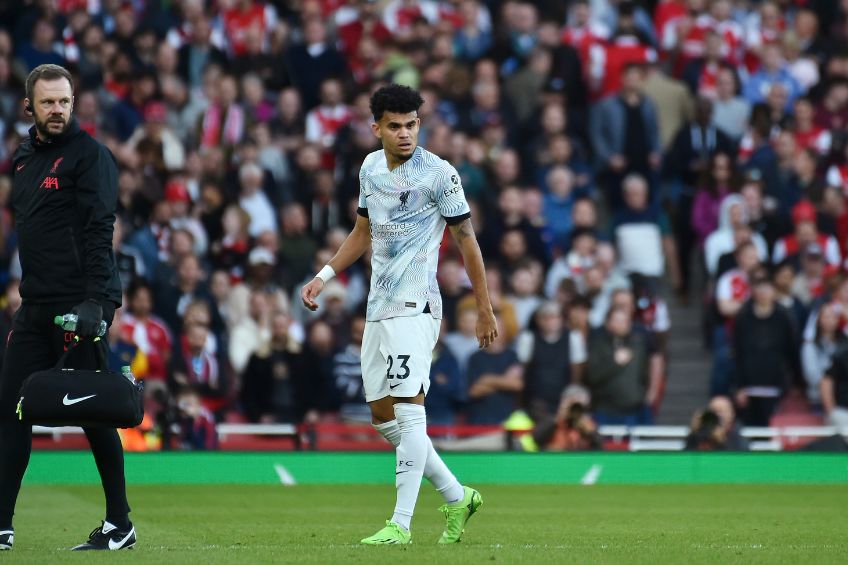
[[487, 326], [351, 250]]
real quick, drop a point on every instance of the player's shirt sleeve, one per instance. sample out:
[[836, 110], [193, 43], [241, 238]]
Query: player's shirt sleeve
[[362, 208], [450, 198]]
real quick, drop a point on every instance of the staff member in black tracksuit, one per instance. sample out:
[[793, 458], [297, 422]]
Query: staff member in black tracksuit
[[63, 198]]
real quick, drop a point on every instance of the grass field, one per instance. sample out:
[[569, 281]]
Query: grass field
[[526, 524]]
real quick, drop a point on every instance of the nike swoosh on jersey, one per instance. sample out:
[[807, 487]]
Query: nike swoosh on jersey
[[71, 401], [392, 387], [116, 544], [21, 166]]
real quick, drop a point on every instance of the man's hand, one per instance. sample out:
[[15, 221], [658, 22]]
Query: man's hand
[[742, 399], [487, 328], [89, 315], [622, 355], [310, 292]]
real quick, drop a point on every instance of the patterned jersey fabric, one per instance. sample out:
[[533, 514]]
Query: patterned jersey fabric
[[407, 209]]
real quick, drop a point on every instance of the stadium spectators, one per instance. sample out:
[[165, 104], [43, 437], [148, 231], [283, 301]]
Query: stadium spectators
[[546, 355], [495, 381], [623, 371], [715, 428], [765, 352], [834, 394], [239, 129], [448, 390]]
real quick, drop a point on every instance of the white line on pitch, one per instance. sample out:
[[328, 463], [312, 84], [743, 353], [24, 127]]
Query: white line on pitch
[[591, 476], [286, 478]]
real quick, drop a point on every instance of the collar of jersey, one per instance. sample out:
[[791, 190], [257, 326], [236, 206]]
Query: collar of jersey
[[415, 155], [73, 129]]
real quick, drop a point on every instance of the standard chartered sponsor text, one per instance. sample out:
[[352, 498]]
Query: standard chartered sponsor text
[[394, 230]]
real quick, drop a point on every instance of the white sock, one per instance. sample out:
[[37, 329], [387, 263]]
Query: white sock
[[435, 470], [411, 459]]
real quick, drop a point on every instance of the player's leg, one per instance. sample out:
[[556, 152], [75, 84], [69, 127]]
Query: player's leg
[[382, 412], [402, 419], [413, 372], [109, 458], [411, 456], [27, 351], [435, 470]]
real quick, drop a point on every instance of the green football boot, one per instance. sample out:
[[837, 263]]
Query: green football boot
[[458, 513], [392, 534]]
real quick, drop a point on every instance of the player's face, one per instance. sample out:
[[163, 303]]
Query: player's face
[[52, 104], [399, 133]]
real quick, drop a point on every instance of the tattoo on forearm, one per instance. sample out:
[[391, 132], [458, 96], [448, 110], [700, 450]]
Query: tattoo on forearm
[[463, 230]]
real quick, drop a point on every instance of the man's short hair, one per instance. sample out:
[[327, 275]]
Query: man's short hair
[[632, 66], [634, 178], [395, 98], [249, 169], [46, 72], [577, 233]]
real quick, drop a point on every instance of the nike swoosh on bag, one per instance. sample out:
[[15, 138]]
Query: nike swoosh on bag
[[117, 544], [70, 401]]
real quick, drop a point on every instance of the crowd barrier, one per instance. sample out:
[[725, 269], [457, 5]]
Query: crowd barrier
[[335, 436]]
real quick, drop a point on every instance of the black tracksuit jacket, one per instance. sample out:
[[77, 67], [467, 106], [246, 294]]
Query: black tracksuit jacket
[[63, 197]]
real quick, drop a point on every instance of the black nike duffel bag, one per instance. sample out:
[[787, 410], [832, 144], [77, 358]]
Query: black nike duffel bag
[[81, 397]]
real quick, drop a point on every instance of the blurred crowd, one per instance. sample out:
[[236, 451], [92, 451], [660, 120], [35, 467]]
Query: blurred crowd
[[617, 155]]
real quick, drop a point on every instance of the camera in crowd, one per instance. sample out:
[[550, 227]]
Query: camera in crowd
[[707, 434]]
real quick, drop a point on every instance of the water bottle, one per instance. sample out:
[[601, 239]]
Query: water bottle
[[68, 322], [126, 371]]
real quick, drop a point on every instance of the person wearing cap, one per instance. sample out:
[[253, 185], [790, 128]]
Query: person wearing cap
[[155, 133], [177, 195], [259, 276], [809, 283], [806, 232], [766, 353]]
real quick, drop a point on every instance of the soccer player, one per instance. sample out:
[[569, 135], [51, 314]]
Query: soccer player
[[406, 196]]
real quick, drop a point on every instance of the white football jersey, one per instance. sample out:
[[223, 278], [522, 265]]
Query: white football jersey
[[407, 209]]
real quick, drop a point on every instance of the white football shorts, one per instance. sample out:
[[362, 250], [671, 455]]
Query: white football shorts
[[396, 356]]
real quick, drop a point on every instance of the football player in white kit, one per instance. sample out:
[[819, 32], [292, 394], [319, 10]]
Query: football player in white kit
[[406, 197]]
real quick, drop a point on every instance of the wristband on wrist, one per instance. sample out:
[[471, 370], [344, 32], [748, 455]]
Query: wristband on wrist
[[326, 273]]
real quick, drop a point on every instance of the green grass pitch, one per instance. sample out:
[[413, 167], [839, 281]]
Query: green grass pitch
[[517, 524]]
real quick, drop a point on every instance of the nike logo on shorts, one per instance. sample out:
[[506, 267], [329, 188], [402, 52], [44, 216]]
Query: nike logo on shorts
[[392, 387]]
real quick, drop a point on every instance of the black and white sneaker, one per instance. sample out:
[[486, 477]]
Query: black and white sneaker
[[7, 538], [107, 536]]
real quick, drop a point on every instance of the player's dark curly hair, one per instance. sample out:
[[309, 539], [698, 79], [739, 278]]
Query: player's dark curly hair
[[395, 98]]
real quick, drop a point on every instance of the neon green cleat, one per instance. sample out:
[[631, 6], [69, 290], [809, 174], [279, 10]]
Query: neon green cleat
[[392, 534], [458, 513]]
